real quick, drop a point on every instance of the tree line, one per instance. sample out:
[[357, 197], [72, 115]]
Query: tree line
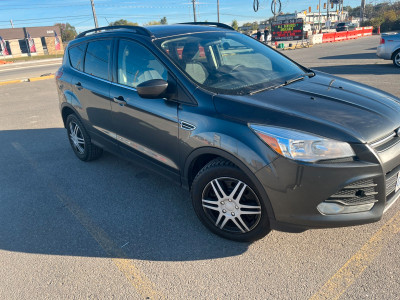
[[68, 32]]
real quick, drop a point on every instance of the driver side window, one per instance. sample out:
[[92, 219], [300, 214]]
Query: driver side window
[[136, 64]]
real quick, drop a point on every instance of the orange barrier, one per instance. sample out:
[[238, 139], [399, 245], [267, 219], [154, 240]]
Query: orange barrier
[[340, 36], [352, 35], [346, 35], [367, 30], [328, 37]]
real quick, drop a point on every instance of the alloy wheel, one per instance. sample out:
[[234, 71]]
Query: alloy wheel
[[231, 205], [76, 137], [397, 59]]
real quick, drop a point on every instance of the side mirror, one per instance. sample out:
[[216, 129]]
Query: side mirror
[[152, 89]]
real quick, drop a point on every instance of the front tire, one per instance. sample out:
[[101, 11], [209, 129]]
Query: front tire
[[228, 203], [396, 58], [80, 140]]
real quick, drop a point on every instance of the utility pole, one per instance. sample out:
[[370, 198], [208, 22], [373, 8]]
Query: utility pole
[[275, 10], [319, 15], [12, 25], [328, 19], [194, 10], [218, 9], [362, 11], [96, 25]]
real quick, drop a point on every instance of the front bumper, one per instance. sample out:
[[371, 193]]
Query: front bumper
[[296, 189]]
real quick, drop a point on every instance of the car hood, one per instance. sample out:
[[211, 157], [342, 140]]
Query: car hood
[[325, 105]]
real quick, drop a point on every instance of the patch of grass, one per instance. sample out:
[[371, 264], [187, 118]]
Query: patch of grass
[[36, 57]]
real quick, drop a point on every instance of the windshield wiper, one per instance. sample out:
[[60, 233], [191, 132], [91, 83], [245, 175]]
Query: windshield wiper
[[287, 82], [308, 74]]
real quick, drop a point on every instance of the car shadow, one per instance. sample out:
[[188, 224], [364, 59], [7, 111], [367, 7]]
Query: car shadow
[[373, 69], [52, 203], [352, 56]]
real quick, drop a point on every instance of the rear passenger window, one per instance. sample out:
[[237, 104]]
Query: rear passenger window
[[97, 58], [76, 56]]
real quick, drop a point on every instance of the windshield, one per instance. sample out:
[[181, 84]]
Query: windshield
[[229, 62]]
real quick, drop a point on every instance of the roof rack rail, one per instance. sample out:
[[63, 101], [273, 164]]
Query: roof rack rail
[[136, 29], [216, 24]]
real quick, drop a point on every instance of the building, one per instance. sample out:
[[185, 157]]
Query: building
[[43, 37]]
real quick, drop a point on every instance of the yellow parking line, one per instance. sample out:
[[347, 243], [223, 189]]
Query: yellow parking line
[[137, 278], [40, 78], [11, 81], [357, 264]]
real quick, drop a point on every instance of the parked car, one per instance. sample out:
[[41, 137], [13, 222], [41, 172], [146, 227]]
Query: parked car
[[389, 48], [342, 27], [260, 141]]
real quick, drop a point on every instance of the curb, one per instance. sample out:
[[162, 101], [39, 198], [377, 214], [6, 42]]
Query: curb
[[32, 79]]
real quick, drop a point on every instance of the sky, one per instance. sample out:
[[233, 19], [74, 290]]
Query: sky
[[78, 13]]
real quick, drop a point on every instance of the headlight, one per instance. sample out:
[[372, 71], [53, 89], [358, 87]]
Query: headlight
[[302, 146]]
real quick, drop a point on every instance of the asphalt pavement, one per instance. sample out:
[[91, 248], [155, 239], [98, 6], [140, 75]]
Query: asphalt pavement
[[109, 229]]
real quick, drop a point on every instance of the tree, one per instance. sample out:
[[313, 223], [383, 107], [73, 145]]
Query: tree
[[235, 25], [152, 23], [68, 32], [162, 21], [123, 22]]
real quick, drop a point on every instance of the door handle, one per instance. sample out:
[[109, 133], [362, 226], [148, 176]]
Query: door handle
[[120, 100], [79, 86]]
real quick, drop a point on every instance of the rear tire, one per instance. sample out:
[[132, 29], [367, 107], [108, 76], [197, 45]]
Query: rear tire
[[80, 140], [396, 58], [228, 203]]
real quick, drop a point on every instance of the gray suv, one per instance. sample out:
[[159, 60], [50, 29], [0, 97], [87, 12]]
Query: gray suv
[[260, 141]]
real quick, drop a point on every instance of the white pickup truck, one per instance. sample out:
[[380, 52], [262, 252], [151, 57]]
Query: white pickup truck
[[389, 48]]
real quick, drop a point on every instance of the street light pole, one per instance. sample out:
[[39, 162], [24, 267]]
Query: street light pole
[[218, 9], [96, 25], [194, 10]]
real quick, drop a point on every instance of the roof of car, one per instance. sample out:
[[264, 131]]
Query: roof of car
[[160, 31]]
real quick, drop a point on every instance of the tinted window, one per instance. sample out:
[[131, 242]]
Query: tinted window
[[136, 64], [76, 56], [97, 58]]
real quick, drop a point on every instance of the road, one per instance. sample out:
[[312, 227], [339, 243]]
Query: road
[[109, 229], [354, 60], [29, 69]]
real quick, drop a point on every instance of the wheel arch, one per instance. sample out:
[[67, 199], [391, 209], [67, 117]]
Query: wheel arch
[[395, 51], [202, 156], [66, 110]]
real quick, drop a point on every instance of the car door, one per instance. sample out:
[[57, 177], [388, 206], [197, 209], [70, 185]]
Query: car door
[[147, 129], [92, 88]]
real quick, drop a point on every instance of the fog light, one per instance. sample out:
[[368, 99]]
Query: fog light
[[331, 208]]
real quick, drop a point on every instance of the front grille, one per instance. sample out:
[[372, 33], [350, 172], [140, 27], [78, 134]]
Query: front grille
[[359, 192]]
